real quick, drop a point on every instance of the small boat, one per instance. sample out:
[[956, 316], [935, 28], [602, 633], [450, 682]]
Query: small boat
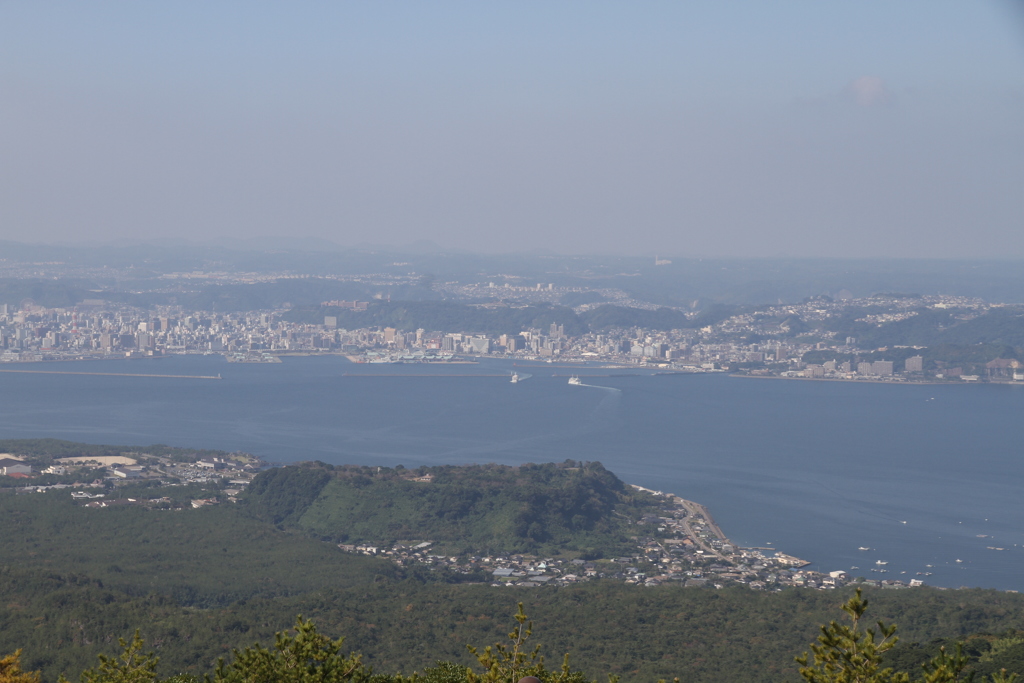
[[863, 548], [959, 561], [903, 521], [575, 380], [881, 562], [515, 378]]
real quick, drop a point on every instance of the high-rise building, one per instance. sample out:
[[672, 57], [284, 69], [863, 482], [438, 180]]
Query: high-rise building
[[813, 370], [480, 344], [882, 368], [914, 364]]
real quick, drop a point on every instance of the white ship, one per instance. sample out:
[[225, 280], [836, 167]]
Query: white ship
[[880, 562], [515, 378], [575, 380]]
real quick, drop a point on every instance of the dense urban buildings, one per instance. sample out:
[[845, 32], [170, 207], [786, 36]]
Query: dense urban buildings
[[783, 340]]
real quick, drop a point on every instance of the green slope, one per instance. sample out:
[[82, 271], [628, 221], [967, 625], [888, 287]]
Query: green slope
[[569, 509], [206, 557]]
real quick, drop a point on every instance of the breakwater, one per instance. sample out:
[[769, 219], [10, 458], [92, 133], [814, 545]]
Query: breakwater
[[106, 374]]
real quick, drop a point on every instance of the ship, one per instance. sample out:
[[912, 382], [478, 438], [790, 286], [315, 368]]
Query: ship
[[880, 562], [515, 378], [575, 380], [863, 548]]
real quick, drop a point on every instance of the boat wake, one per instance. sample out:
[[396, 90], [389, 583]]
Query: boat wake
[[607, 409]]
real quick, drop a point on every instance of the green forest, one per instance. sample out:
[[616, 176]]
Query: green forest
[[575, 509], [200, 583], [935, 327], [62, 622]]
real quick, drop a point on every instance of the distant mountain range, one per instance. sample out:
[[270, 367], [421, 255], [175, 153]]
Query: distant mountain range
[[685, 282]]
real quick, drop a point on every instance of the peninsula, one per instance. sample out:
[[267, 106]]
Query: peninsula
[[531, 525]]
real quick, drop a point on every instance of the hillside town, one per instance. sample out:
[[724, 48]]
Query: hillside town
[[97, 480]]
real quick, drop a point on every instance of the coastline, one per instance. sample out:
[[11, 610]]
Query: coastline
[[905, 382], [698, 514]]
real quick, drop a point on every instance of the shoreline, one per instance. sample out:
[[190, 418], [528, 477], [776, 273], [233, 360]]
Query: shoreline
[[907, 382], [698, 512]]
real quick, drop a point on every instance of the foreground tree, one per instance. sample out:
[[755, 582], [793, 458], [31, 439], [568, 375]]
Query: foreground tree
[[846, 654], [508, 663], [132, 666], [10, 670], [306, 657]]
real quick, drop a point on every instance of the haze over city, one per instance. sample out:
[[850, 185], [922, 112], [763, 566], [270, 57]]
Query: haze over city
[[716, 129]]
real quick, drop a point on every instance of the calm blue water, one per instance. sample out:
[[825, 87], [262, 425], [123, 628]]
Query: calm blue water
[[816, 469]]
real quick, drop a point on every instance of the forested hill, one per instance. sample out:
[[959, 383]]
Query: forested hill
[[576, 508]]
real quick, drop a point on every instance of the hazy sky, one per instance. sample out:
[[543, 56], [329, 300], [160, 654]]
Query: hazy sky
[[867, 128]]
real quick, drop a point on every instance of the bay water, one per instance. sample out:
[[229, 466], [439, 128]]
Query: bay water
[[919, 474]]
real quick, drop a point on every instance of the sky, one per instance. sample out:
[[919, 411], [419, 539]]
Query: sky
[[727, 128]]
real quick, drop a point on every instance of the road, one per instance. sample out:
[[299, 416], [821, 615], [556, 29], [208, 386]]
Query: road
[[694, 510]]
